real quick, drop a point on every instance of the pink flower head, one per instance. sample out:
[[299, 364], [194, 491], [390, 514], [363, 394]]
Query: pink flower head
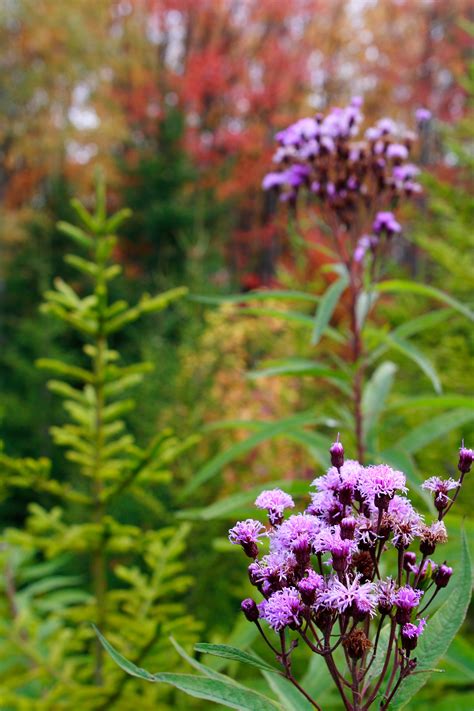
[[379, 483], [423, 115], [386, 125], [403, 521], [397, 151], [247, 534], [292, 530], [340, 596], [440, 488], [411, 630], [406, 599], [386, 595], [329, 540], [275, 501], [386, 222], [310, 587], [283, 608], [410, 634]]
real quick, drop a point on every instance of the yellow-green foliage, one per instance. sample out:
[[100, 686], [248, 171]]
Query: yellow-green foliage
[[130, 582]]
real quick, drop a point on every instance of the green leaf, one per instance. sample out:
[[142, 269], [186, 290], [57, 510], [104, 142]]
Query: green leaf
[[375, 394], [432, 402], [422, 323], [207, 671], [291, 699], [273, 429], [220, 692], [326, 307], [276, 294], [296, 366], [76, 234], [413, 353], [364, 303], [398, 286], [123, 663], [148, 304], [422, 435], [231, 505], [440, 629], [71, 371], [114, 222], [234, 654]]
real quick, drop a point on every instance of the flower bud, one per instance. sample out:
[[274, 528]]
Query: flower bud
[[466, 457], [442, 575], [255, 573], [250, 609], [307, 590], [348, 525], [336, 451], [346, 493], [409, 559]]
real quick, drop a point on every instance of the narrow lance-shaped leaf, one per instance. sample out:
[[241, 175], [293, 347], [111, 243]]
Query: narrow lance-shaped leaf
[[326, 307], [375, 395], [215, 465], [398, 286], [233, 653], [219, 691], [413, 353], [425, 433], [296, 367]]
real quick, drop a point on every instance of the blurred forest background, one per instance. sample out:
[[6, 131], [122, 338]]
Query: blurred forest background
[[177, 102]]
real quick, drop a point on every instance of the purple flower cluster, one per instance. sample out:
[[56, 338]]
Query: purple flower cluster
[[355, 178], [319, 573]]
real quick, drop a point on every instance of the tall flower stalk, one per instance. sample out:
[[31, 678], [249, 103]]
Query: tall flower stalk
[[355, 183]]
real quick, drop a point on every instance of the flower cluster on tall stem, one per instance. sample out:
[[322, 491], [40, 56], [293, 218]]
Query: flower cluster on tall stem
[[319, 576], [356, 181]]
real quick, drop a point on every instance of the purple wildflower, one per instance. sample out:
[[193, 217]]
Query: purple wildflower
[[340, 596], [275, 501], [247, 534], [410, 634], [406, 599], [385, 591], [364, 243], [379, 483], [386, 222], [397, 151], [423, 115], [440, 488], [329, 540], [310, 586], [405, 172], [273, 180], [403, 521], [285, 536], [386, 125], [431, 536], [283, 608]]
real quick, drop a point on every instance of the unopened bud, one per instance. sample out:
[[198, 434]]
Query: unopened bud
[[442, 575], [250, 609], [466, 457], [336, 451]]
